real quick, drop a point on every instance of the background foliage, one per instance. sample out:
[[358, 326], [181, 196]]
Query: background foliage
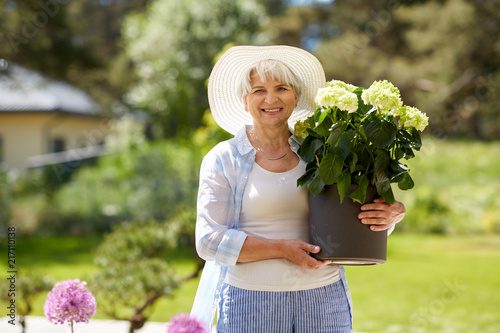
[[172, 46], [439, 53], [156, 55]]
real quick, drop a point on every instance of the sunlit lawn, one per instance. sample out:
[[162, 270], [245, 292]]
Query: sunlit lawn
[[429, 284]]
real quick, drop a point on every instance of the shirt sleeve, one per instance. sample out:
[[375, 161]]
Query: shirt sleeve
[[215, 239]]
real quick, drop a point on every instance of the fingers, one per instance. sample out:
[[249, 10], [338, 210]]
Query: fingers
[[313, 248], [377, 204], [298, 252], [381, 215], [374, 217], [380, 227]]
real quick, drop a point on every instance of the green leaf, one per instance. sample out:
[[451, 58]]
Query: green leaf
[[397, 170], [388, 195], [406, 183], [382, 160], [399, 153], [316, 185], [330, 168], [352, 164], [308, 175], [323, 116], [347, 142], [359, 91], [336, 132], [316, 115], [380, 132], [409, 153], [343, 184], [404, 136], [309, 147], [364, 108], [409, 138], [324, 123], [417, 141], [359, 195]]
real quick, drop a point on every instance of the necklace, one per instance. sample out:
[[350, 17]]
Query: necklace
[[254, 139], [276, 158]]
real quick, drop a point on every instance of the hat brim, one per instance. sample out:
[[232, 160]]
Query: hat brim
[[227, 107]]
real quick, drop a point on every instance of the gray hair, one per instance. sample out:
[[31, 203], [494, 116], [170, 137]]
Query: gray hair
[[269, 69]]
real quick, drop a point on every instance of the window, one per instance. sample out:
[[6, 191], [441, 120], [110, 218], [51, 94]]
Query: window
[[58, 145]]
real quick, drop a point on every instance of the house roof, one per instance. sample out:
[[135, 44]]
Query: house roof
[[24, 90]]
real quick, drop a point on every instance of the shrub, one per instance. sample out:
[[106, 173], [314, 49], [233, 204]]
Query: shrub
[[132, 276]]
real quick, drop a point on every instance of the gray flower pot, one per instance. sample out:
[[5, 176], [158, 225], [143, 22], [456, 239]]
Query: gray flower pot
[[337, 229]]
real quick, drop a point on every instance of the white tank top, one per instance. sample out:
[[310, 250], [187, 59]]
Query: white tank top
[[274, 207]]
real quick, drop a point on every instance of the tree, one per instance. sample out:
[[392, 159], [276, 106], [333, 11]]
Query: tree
[[443, 55], [172, 46], [301, 26], [39, 35], [132, 276], [75, 41]]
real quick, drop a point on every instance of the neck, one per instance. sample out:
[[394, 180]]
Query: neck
[[271, 138], [273, 145]]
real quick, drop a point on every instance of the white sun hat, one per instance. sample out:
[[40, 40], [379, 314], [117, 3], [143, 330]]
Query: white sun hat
[[227, 106]]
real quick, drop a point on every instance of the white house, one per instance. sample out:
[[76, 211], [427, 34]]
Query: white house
[[43, 121]]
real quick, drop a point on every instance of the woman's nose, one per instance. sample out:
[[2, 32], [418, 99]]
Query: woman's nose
[[270, 97]]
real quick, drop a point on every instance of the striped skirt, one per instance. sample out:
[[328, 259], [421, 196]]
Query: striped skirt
[[324, 309]]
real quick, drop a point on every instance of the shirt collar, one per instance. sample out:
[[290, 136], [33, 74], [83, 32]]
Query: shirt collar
[[242, 143]]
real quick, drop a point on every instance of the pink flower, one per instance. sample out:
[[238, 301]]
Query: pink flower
[[69, 301], [183, 323]]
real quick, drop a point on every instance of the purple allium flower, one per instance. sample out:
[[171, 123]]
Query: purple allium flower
[[183, 323], [69, 301]]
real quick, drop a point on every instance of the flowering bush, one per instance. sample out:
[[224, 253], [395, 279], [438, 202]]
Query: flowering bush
[[183, 323], [69, 301], [358, 136]]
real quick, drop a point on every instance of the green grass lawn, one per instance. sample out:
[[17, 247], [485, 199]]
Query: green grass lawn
[[65, 258], [429, 283], [456, 188]]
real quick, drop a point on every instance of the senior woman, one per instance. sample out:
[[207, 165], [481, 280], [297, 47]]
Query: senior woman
[[252, 224]]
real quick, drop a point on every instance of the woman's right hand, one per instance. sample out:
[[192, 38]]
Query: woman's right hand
[[297, 251], [256, 248]]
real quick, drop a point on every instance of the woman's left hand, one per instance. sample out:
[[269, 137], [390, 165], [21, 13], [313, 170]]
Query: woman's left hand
[[381, 215]]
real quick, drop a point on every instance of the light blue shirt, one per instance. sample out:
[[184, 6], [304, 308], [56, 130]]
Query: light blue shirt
[[223, 176]]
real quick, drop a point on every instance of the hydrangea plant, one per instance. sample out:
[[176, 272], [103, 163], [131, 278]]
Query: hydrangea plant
[[359, 136], [69, 301]]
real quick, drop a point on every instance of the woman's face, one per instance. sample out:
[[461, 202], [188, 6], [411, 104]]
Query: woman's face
[[270, 103]]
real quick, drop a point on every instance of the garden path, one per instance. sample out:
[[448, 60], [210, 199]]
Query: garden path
[[42, 325]]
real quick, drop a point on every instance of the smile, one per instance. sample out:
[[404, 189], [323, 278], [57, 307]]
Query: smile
[[271, 110]]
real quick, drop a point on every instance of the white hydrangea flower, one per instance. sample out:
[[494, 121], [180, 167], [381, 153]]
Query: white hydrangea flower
[[384, 96], [413, 117], [337, 96], [341, 84]]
